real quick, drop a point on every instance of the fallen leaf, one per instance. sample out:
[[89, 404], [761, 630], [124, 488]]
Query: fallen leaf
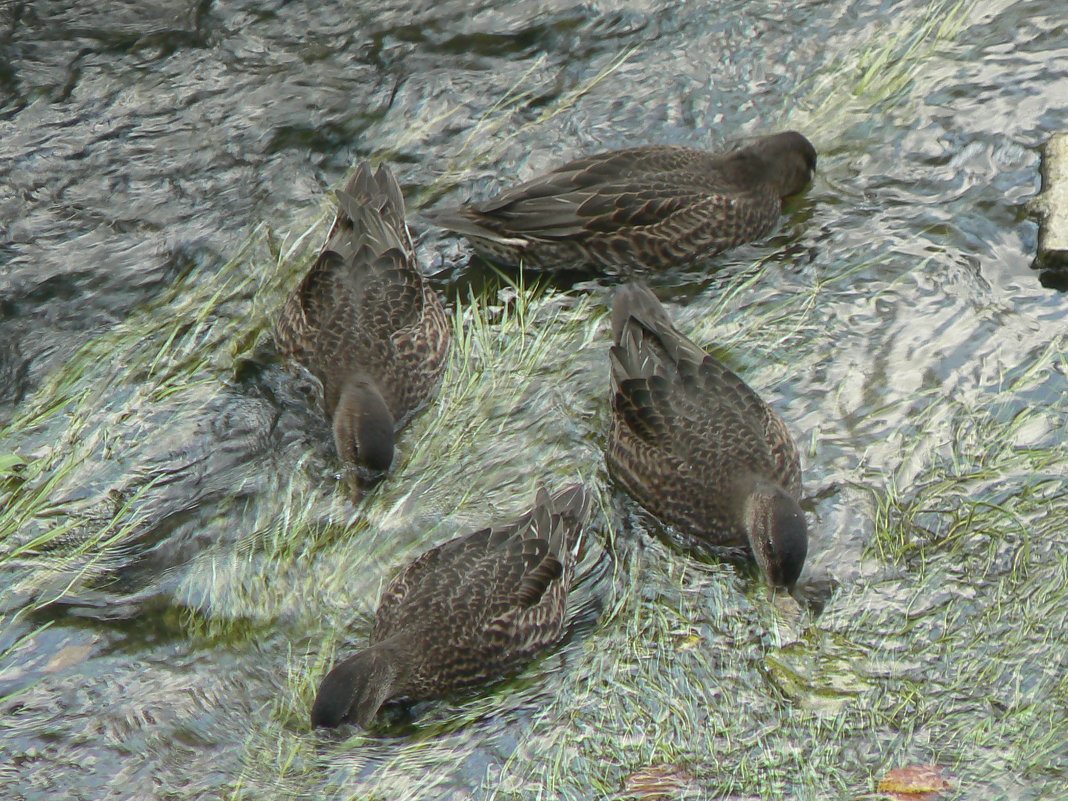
[[67, 657], [688, 642], [914, 783], [656, 782]]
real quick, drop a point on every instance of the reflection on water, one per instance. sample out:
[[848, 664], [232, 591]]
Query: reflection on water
[[180, 566]]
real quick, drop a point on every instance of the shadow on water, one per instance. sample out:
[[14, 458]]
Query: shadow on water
[[180, 564]]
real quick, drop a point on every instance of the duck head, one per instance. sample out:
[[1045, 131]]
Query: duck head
[[363, 428], [355, 689], [799, 162], [789, 158], [777, 533]]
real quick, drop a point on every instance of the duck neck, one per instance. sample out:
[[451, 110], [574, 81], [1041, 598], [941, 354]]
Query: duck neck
[[392, 660], [748, 166]]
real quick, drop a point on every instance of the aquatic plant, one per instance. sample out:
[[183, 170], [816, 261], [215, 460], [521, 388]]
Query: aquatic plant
[[937, 635], [881, 75]]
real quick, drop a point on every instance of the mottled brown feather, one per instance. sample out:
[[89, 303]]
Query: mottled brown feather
[[689, 439], [364, 309], [652, 206], [478, 605]]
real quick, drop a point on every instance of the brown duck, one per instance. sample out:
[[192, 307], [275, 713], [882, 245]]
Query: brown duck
[[697, 447], [654, 206], [366, 323], [464, 612]]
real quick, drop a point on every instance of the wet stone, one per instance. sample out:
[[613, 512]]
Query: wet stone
[[1053, 203]]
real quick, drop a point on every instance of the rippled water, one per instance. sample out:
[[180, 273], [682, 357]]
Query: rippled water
[[180, 565]]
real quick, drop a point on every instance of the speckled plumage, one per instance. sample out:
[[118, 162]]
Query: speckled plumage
[[365, 322], [693, 444], [654, 206], [464, 612]]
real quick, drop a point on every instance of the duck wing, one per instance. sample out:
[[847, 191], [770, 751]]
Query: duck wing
[[686, 406], [660, 188], [498, 591], [364, 305]]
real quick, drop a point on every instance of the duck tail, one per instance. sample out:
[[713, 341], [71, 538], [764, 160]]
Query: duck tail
[[469, 222], [638, 301], [370, 214], [570, 509]]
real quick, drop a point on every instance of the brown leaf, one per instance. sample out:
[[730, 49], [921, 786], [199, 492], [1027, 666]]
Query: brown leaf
[[914, 783], [67, 656], [656, 782]]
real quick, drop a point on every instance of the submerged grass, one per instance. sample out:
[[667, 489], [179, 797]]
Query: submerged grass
[[882, 75], [984, 438], [71, 505], [498, 352], [641, 678], [62, 526], [950, 650], [963, 621], [636, 691], [463, 455]]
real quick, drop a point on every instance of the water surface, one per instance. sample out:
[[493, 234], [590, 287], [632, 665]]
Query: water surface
[[180, 564]]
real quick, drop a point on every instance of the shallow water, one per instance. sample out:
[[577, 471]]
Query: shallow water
[[180, 565]]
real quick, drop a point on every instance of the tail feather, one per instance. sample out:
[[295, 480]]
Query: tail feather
[[370, 214], [650, 335], [462, 220], [638, 301], [570, 508]]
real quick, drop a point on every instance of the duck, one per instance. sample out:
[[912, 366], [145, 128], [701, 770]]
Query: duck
[[464, 612], [652, 207], [365, 322], [696, 446]]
